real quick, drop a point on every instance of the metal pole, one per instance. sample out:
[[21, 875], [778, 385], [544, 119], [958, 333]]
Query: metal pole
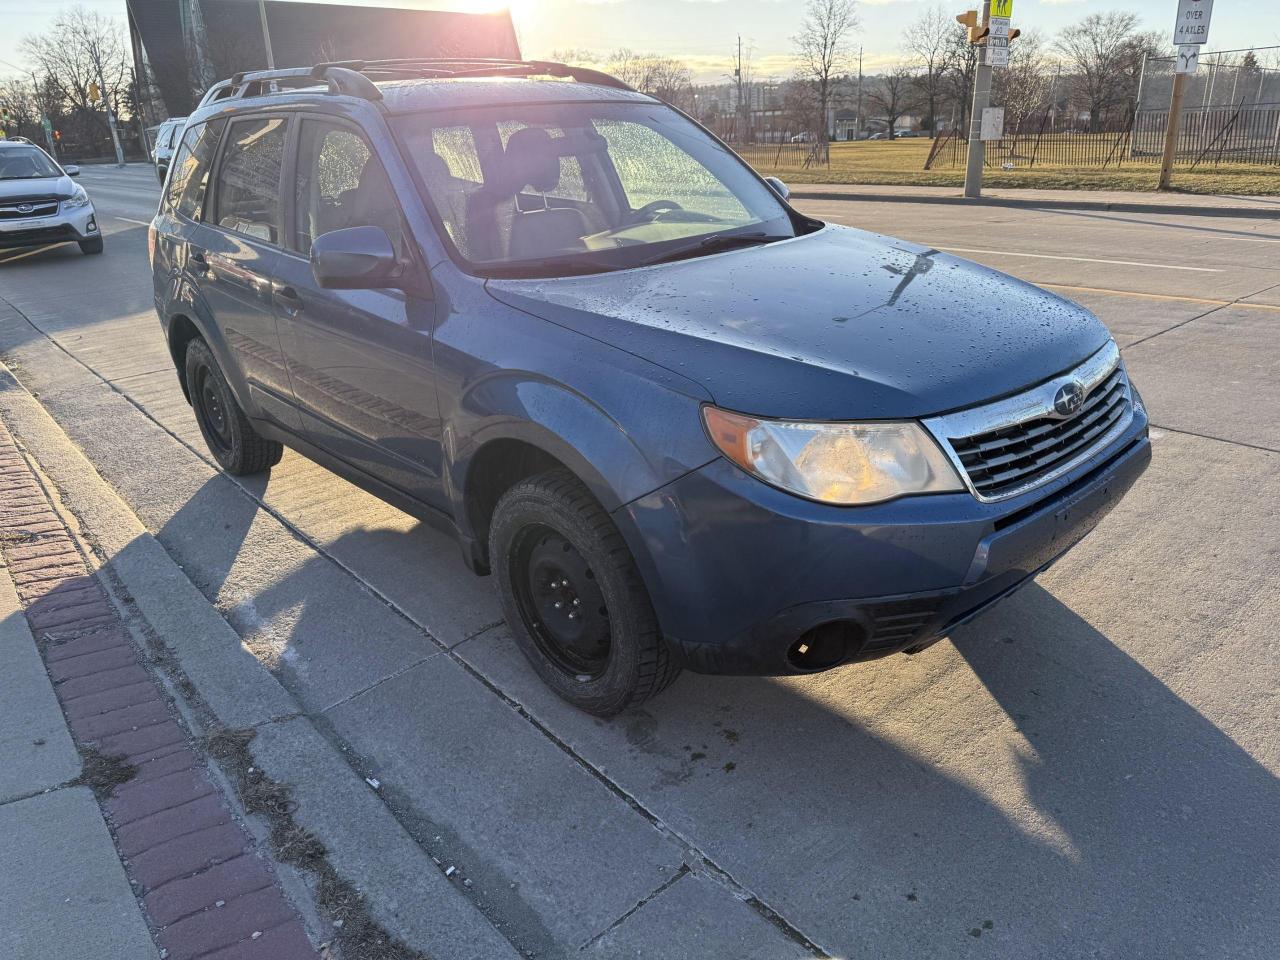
[[981, 100], [266, 34], [1171, 129]]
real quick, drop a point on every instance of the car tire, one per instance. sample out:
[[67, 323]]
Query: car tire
[[238, 448], [574, 598], [92, 245]]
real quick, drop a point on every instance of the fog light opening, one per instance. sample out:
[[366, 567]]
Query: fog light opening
[[824, 646]]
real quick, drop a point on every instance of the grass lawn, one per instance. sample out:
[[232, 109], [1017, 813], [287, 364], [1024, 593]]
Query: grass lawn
[[902, 162]]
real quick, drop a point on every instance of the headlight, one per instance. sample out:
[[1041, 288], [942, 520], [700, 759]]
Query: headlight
[[76, 200], [841, 463]]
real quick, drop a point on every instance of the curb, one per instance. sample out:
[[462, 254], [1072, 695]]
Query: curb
[[192, 865], [288, 747], [1114, 206]]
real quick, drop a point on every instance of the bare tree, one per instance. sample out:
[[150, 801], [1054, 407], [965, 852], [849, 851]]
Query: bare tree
[[800, 106], [666, 78], [894, 96], [822, 47], [21, 99], [957, 79], [83, 48], [1100, 52], [929, 40], [1023, 87]]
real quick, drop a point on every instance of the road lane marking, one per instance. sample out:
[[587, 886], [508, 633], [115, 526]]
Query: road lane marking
[[30, 253], [1049, 256], [1162, 296], [141, 223]]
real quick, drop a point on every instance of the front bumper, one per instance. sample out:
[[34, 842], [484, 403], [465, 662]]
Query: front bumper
[[739, 571], [73, 225]]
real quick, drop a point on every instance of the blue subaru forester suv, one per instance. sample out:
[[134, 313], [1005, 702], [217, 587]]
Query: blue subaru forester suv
[[683, 424]]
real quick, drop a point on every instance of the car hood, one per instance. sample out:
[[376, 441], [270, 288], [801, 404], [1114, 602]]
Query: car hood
[[839, 324], [11, 190]]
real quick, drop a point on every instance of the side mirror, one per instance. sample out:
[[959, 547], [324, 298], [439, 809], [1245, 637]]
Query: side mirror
[[780, 188], [71, 171], [356, 258]]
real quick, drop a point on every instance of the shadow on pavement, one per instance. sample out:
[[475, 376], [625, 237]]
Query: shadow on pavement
[[1042, 791]]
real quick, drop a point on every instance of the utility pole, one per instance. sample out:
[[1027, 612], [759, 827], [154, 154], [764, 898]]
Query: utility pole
[[1171, 129], [1190, 33], [111, 117], [858, 128], [981, 100], [266, 34]]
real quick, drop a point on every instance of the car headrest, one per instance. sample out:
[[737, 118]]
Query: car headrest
[[531, 159]]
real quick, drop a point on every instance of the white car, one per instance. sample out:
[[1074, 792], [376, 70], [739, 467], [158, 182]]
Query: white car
[[39, 203], [168, 136]]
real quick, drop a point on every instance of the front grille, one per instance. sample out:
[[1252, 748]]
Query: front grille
[[40, 207], [1018, 456]]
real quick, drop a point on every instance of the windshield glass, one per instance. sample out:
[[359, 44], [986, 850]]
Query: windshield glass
[[548, 189], [26, 163]]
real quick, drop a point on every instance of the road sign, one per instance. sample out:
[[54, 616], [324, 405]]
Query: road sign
[[1188, 59], [1192, 25], [997, 51], [999, 27], [1002, 8], [992, 123]]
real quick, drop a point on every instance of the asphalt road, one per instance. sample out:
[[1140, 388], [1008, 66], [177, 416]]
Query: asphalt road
[[1089, 770]]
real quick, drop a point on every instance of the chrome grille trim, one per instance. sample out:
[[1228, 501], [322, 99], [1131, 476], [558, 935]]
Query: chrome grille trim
[[1028, 438], [40, 207]]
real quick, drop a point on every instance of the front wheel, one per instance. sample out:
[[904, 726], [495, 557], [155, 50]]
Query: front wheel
[[573, 597], [92, 245], [237, 447]]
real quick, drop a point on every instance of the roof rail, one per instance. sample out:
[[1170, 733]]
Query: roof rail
[[355, 78]]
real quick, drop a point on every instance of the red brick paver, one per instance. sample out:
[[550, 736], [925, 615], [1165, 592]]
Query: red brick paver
[[204, 890]]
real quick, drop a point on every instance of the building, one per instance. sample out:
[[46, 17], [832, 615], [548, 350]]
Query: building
[[181, 47]]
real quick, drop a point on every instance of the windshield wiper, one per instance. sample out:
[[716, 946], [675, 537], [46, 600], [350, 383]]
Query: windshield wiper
[[545, 267], [713, 244]]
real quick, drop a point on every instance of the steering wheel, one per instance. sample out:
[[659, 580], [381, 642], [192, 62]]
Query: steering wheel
[[653, 210]]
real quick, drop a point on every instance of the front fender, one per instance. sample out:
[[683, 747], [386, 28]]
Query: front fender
[[602, 451]]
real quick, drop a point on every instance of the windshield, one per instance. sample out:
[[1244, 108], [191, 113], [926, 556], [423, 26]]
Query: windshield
[[554, 189], [26, 163]]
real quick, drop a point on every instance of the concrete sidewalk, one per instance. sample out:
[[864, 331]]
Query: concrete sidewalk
[[1117, 201], [61, 881], [118, 841]]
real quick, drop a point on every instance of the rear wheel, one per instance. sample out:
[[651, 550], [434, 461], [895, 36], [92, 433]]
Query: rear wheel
[[573, 597], [92, 245], [237, 447]]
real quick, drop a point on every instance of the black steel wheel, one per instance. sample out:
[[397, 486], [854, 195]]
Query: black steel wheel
[[573, 597], [229, 434]]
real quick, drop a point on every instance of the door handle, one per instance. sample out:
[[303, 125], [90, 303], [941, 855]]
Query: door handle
[[286, 296]]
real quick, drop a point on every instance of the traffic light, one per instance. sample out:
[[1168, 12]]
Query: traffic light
[[93, 92], [969, 20], [1014, 33], [57, 136]]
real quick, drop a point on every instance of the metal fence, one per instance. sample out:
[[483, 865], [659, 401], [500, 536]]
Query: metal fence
[[785, 156], [1240, 135]]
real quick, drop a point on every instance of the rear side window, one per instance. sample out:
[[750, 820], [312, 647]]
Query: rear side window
[[248, 196], [189, 173]]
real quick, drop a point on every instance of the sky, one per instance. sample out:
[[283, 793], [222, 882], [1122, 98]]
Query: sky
[[704, 32]]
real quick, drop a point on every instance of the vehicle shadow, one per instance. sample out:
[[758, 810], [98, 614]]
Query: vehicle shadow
[[1034, 777], [1031, 790]]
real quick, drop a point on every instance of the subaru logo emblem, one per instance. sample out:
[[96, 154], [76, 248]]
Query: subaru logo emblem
[[26, 207], [1069, 399]]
